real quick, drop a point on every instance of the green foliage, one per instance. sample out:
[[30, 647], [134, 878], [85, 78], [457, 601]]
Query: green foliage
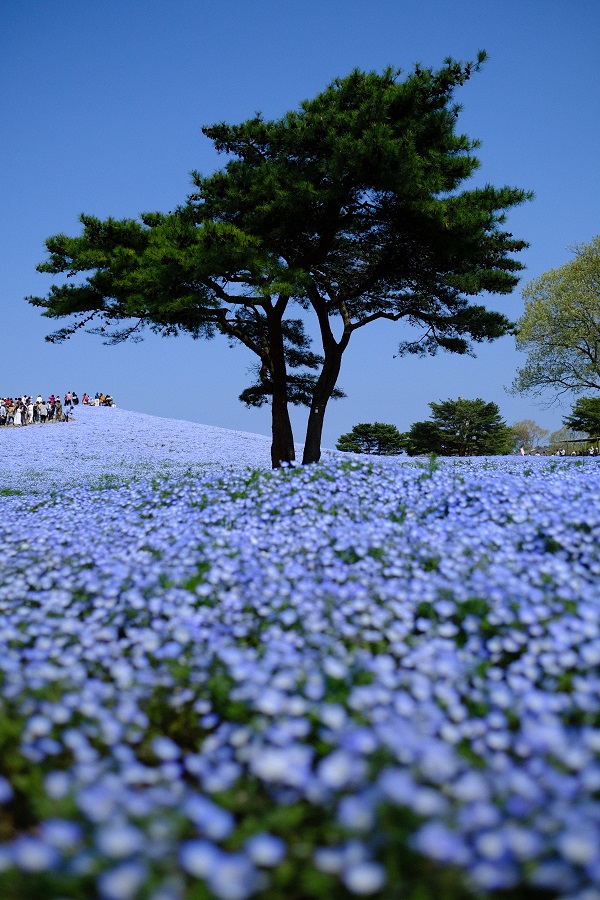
[[107, 482], [377, 438], [461, 428], [349, 207], [433, 465], [424, 437], [585, 416], [560, 329]]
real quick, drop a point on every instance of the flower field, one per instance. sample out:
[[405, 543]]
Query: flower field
[[354, 679]]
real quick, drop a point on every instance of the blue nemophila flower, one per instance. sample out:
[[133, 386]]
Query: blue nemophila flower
[[57, 785], [166, 749], [213, 821], [438, 842], [199, 858], [340, 769], [6, 791], [61, 833], [30, 854], [235, 878], [356, 813], [123, 882], [579, 846], [118, 840], [364, 878], [265, 849], [182, 652]]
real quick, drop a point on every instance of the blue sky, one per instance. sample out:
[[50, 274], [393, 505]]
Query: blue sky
[[101, 109]]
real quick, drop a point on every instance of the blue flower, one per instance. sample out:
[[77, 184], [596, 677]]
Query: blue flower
[[123, 882], [364, 878], [265, 849], [32, 855]]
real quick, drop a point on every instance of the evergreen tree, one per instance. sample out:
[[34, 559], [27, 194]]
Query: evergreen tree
[[585, 417], [377, 438], [349, 207], [461, 428]]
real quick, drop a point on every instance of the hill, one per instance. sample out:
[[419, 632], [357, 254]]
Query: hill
[[117, 441]]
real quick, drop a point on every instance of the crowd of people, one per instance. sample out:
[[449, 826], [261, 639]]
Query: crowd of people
[[581, 450], [24, 410]]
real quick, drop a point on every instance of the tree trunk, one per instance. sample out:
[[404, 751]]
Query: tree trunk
[[282, 444], [323, 390]]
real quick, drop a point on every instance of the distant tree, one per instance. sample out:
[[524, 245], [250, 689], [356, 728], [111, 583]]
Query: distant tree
[[585, 417], [527, 434], [560, 329], [565, 439], [377, 438], [461, 428], [351, 207], [425, 437]]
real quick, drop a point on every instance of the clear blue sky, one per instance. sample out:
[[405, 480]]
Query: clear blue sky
[[101, 107]]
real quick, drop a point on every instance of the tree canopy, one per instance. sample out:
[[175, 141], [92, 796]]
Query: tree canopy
[[377, 438], [461, 428], [348, 209], [565, 439], [527, 434], [560, 328], [585, 417]]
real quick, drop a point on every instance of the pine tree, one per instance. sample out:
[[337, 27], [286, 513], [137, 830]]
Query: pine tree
[[585, 417], [349, 209], [377, 438], [461, 428]]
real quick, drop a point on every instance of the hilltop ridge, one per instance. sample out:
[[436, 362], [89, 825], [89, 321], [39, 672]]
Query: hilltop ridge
[[117, 441]]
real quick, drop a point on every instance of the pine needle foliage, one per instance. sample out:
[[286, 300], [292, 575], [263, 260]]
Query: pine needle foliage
[[349, 209]]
